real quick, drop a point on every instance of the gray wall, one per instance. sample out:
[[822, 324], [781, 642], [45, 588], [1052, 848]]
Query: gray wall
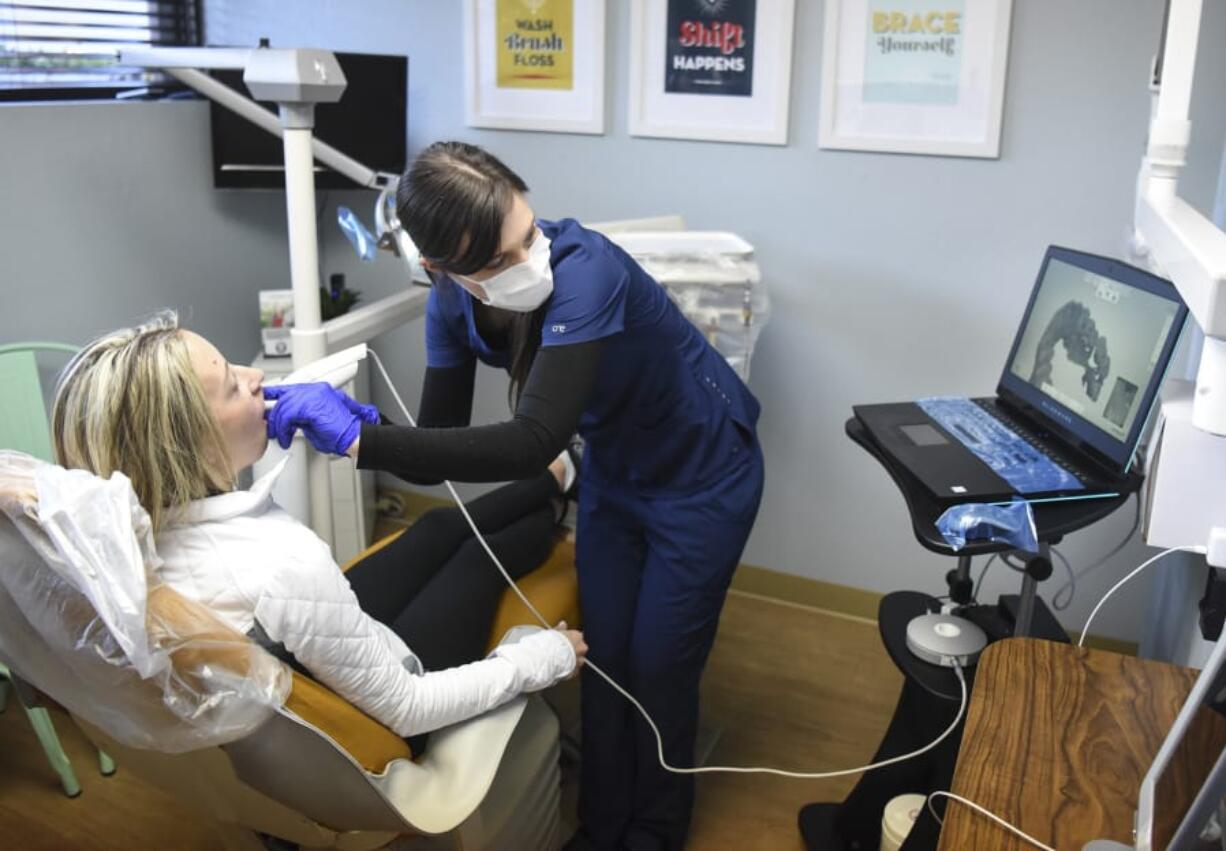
[[109, 213], [887, 272]]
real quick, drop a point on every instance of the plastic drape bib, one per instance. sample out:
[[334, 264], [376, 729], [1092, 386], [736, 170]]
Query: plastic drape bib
[[84, 619]]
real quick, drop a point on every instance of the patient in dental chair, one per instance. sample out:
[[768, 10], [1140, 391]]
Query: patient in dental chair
[[159, 404]]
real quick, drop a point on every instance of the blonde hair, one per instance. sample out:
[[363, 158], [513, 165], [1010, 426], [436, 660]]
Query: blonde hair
[[131, 402]]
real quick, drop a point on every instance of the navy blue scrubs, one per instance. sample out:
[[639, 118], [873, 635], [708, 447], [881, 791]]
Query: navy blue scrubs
[[670, 484]]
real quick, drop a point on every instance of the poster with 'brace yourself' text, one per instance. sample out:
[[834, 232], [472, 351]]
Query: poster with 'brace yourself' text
[[535, 44], [914, 51], [709, 49], [914, 76]]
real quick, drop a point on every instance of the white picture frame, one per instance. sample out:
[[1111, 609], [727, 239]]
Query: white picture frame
[[905, 95], [579, 109], [757, 118]]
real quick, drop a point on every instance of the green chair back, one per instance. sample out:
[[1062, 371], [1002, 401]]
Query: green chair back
[[23, 415]]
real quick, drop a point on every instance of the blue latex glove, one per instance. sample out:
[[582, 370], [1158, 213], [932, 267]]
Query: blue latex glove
[[329, 418]]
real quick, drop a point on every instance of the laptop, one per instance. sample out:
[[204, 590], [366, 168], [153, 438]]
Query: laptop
[[1186, 781], [1076, 393]]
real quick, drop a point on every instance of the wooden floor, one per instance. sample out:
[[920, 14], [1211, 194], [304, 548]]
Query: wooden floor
[[786, 686], [790, 688]]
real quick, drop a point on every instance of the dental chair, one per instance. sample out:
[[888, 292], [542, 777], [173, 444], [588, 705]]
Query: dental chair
[[233, 732]]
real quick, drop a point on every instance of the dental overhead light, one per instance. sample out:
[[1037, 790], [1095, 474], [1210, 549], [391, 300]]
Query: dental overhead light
[[391, 234]]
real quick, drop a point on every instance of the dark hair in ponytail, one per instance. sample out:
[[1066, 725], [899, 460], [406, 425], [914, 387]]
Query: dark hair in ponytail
[[452, 202]]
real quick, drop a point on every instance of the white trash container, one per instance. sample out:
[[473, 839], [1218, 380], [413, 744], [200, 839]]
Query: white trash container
[[898, 819]]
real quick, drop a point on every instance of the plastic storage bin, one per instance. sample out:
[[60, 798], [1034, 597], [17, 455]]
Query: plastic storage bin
[[713, 278]]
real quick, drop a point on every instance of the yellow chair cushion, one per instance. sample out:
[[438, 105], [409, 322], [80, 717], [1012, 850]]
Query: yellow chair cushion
[[371, 550], [553, 588], [362, 737]]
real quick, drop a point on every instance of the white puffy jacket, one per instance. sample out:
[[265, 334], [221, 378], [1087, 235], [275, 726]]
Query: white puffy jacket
[[248, 560]]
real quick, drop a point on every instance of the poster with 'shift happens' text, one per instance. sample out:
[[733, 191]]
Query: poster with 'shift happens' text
[[535, 44], [710, 47], [716, 70]]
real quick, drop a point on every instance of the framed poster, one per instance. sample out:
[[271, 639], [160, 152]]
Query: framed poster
[[914, 76], [717, 70], [535, 64]]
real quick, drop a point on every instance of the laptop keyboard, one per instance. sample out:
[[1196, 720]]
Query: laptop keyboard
[[1019, 428], [1006, 447]]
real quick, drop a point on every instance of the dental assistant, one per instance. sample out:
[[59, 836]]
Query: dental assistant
[[669, 482]]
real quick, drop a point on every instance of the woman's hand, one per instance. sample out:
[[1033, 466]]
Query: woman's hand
[[329, 418], [577, 643]]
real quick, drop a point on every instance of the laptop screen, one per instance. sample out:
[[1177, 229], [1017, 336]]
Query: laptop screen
[[1093, 348]]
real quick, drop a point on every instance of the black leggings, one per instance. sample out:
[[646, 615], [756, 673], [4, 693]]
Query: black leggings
[[438, 589]]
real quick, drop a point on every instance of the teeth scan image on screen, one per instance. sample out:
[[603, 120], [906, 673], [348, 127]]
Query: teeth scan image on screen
[[1092, 345]]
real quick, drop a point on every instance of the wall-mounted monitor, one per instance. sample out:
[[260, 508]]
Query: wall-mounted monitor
[[369, 123]]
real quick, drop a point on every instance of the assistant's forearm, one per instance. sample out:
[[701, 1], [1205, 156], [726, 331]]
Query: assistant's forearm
[[516, 449], [556, 391]]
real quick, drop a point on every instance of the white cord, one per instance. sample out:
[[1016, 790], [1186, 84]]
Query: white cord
[[1004, 558], [1071, 584], [708, 769], [993, 817], [1059, 601], [1190, 549]]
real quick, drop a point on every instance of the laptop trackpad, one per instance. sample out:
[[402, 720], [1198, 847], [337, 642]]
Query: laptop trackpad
[[923, 434]]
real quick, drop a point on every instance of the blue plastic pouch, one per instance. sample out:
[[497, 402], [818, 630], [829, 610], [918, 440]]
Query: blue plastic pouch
[[1011, 524], [362, 240]]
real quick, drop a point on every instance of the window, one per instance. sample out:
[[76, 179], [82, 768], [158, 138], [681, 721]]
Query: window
[[68, 49]]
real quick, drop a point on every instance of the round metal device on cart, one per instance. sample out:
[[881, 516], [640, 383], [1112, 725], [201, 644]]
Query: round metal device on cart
[[945, 639]]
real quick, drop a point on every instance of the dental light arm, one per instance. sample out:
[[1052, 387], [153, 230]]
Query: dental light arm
[[184, 65], [1191, 251], [1183, 244], [391, 236]]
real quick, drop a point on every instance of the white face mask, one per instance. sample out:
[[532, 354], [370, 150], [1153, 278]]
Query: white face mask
[[525, 286]]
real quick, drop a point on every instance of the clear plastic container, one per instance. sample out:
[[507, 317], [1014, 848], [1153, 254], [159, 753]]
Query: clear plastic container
[[713, 278]]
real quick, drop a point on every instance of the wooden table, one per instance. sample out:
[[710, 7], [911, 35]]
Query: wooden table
[[1057, 741]]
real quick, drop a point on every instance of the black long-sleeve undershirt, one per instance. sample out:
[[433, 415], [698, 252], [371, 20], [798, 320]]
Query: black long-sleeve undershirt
[[555, 394], [447, 396]]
